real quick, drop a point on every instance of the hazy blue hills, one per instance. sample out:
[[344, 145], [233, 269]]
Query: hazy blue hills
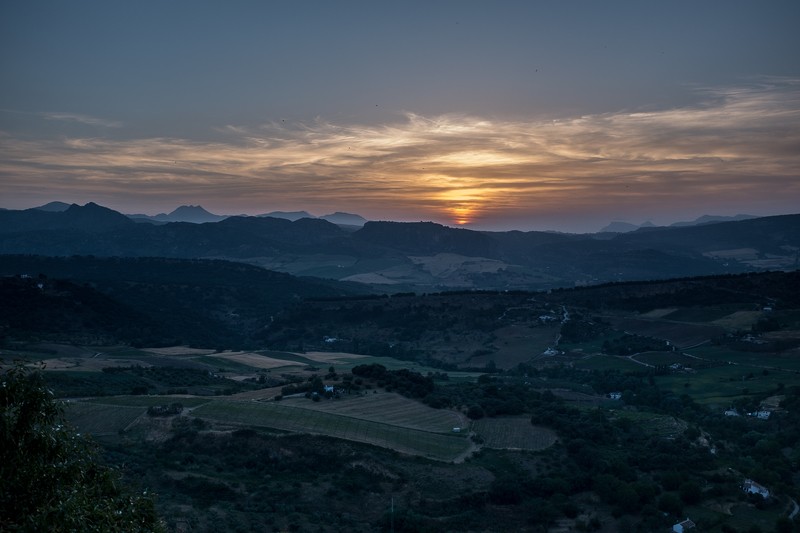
[[54, 206], [185, 213], [415, 256], [90, 218], [196, 214], [345, 219], [288, 215], [618, 226]]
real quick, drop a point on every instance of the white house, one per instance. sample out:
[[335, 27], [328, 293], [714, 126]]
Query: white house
[[680, 527], [615, 395], [751, 487]]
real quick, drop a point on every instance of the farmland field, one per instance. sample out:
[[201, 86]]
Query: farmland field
[[98, 420], [608, 362], [332, 357], [679, 334], [439, 446], [704, 314], [147, 401], [655, 424], [721, 385], [252, 360], [389, 408], [739, 320], [665, 358], [755, 360], [514, 433], [518, 344], [178, 351]]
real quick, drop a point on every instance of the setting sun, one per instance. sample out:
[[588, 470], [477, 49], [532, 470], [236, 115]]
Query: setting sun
[[463, 205]]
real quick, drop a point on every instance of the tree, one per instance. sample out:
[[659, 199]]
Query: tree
[[691, 493], [670, 503], [50, 476]]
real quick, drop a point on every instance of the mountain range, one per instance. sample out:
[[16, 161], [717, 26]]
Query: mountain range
[[198, 215], [395, 256], [624, 227]]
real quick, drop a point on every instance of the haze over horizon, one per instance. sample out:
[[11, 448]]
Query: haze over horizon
[[515, 115]]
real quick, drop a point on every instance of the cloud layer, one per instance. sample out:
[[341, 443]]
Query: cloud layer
[[738, 148]]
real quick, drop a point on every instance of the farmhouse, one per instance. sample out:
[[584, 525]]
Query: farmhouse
[[751, 487], [680, 527], [732, 412], [615, 395], [761, 415]]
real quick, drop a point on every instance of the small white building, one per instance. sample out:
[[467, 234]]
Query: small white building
[[751, 487], [615, 395], [680, 527]]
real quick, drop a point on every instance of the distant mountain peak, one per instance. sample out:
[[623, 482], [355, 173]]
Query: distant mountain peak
[[347, 219], [288, 215], [191, 209], [55, 207], [618, 226], [189, 213], [712, 219], [92, 217]]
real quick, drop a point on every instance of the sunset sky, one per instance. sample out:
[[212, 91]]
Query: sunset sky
[[490, 115]]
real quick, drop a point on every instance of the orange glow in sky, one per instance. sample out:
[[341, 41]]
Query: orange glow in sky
[[453, 169]]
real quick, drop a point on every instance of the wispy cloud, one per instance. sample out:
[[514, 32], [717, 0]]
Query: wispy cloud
[[738, 145], [82, 119]]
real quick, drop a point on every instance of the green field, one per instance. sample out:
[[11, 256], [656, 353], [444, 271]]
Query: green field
[[654, 424], [679, 334], [514, 433], [148, 401], [608, 362], [721, 385], [665, 358], [99, 420], [388, 408], [440, 446], [757, 360], [224, 364]]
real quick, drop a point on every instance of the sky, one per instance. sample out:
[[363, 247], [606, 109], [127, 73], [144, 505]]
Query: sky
[[493, 115]]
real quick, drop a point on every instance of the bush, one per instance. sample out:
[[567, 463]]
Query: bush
[[51, 475]]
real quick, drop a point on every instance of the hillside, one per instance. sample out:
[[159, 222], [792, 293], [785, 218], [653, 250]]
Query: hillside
[[147, 301], [398, 257]]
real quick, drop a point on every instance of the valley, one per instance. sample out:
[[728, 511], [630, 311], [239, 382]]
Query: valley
[[591, 409]]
